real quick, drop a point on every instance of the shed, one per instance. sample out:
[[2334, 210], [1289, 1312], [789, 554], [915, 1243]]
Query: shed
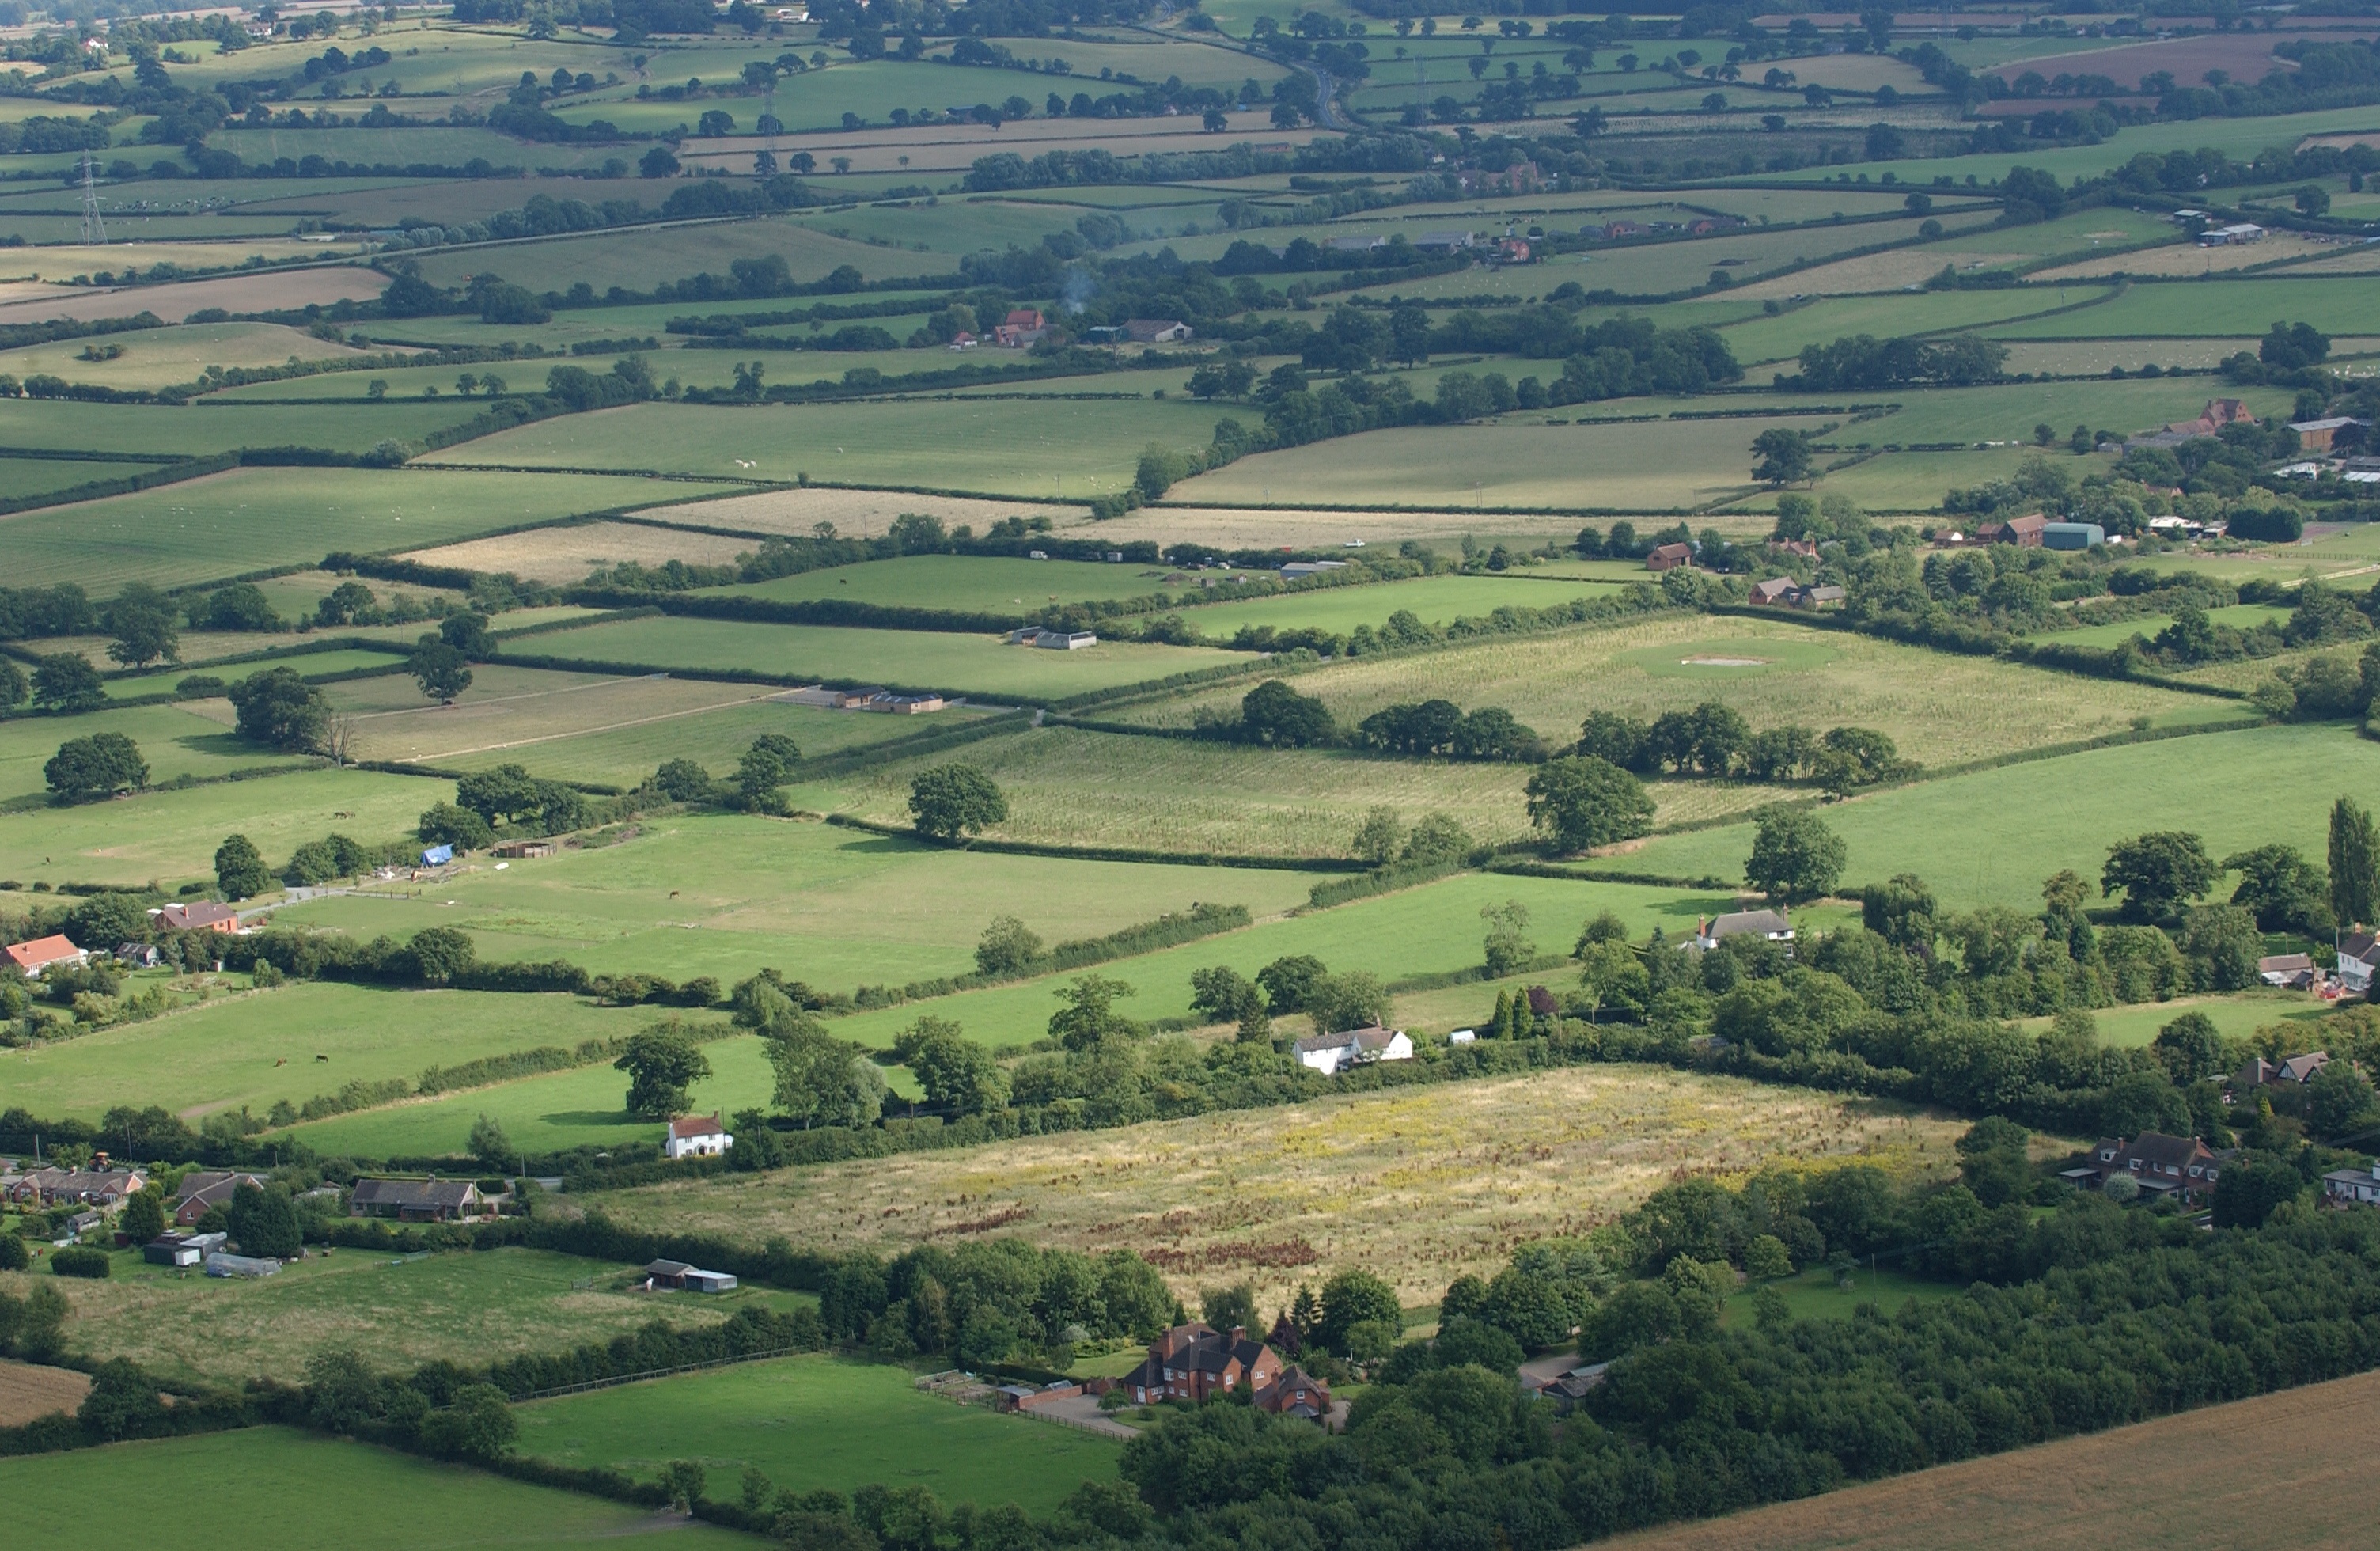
[[2071, 535], [221, 1265], [525, 848], [172, 1249], [1668, 557]]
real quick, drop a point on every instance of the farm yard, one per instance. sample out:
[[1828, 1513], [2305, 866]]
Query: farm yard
[[728, 739]]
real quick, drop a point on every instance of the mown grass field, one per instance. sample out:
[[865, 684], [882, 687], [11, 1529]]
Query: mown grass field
[[399, 1311], [250, 1051], [2235, 1016], [175, 535], [191, 431], [2169, 1478], [2240, 616], [970, 583], [307, 665], [173, 740], [974, 665], [2075, 807], [1816, 1294], [277, 1483], [159, 358], [724, 896], [1937, 708], [1435, 599], [170, 837], [818, 1421], [2196, 308], [1418, 1186]]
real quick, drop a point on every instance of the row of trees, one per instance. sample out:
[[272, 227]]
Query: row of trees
[[1714, 740]]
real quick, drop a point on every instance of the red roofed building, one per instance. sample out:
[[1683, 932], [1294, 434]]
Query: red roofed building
[[696, 1137], [42, 952], [1192, 1362]]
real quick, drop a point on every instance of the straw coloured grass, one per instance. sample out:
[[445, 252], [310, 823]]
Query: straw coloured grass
[[1418, 1186], [28, 1391]]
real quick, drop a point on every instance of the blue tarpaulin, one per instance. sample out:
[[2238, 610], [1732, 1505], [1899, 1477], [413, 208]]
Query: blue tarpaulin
[[437, 855]]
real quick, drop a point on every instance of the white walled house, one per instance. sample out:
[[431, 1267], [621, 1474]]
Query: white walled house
[[1332, 1053], [696, 1137]]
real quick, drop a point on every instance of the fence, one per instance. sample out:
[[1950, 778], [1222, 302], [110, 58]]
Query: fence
[[659, 1373]]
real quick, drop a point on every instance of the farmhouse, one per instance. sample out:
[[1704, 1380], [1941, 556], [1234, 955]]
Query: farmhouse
[[2218, 413], [1333, 1053], [203, 915], [2345, 1187], [696, 1137], [1192, 1362], [1157, 331], [1668, 557], [417, 1200], [2182, 1167], [677, 1276], [1780, 592], [1024, 329], [1770, 924], [43, 953], [206, 1188], [2359, 955]]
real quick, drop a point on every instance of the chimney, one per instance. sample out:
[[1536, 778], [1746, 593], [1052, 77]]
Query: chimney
[[99, 1163], [1240, 1332]]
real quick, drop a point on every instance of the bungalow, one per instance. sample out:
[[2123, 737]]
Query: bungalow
[[203, 1189], [417, 1200], [677, 1276], [1332, 1053], [1614, 230], [2345, 1187], [1293, 1392], [1770, 924], [97, 1186], [696, 1137], [1779, 592], [2359, 955], [1157, 331], [202, 915], [43, 953], [1192, 1362], [1668, 557], [2290, 971], [963, 340], [2181, 1167]]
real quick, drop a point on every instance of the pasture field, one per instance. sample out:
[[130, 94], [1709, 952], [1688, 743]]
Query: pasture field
[[565, 553], [307, 665], [207, 649], [167, 430], [1434, 599], [2240, 616], [1661, 467], [795, 512], [24, 478], [1039, 447], [1656, 268], [2296, 773], [981, 665], [724, 894], [158, 357], [253, 1050], [2163, 1477], [173, 535], [512, 710], [1937, 708], [963, 582], [2234, 1015], [403, 1311], [281, 1483], [1761, 338], [1418, 1186], [169, 836], [173, 739], [2197, 309], [818, 1421], [2008, 412], [635, 259]]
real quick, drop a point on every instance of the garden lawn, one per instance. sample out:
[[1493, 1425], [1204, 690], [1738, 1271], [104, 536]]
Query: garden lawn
[[1816, 1294], [248, 1052], [1937, 708], [724, 894], [815, 1422], [469, 1307], [175, 535], [1418, 1186], [280, 1487], [994, 447], [978, 666], [2068, 811], [170, 837]]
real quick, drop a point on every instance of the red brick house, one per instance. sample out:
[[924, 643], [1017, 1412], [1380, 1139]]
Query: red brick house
[[2183, 1166], [1192, 1362], [1293, 1392], [1668, 557]]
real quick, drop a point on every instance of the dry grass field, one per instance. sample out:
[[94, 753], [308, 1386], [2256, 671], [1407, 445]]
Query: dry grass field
[[1419, 1185], [2279, 1473], [1253, 528], [566, 554], [2188, 258], [28, 1391], [238, 293], [521, 708], [799, 512], [1938, 709]]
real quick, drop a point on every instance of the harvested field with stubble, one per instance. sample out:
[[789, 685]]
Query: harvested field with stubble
[[28, 1391], [510, 709], [1937, 708], [796, 512], [566, 554], [2168, 1479], [1417, 1185]]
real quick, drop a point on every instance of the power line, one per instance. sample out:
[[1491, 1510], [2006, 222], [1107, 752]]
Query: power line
[[94, 230]]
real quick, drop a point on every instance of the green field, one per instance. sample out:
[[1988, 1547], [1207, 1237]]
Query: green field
[[251, 1050], [173, 739], [195, 432], [1816, 1294], [973, 665], [2067, 817], [2242, 616], [1435, 599], [1821, 322], [176, 535], [169, 836], [2235, 1016], [2196, 308], [813, 1421], [277, 1483], [963, 582], [307, 665], [635, 259]]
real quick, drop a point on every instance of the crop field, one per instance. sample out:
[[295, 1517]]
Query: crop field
[[279, 1482], [2188, 259], [2296, 773], [253, 1050], [1674, 466], [565, 553], [817, 1422], [1448, 1178], [914, 659], [514, 709], [723, 895], [173, 535], [1654, 267], [1937, 708], [171, 836], [2166, 1477], [27, 1392]]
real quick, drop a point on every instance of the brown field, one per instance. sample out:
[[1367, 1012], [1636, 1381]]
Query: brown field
[[2247, 56], [566, 554], [1250, 527], [1418, 1186], [852, 511], [2279, 1473], [235, 293], [2359, 259], [28, 1391], [514, 709], [2188, 258]]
